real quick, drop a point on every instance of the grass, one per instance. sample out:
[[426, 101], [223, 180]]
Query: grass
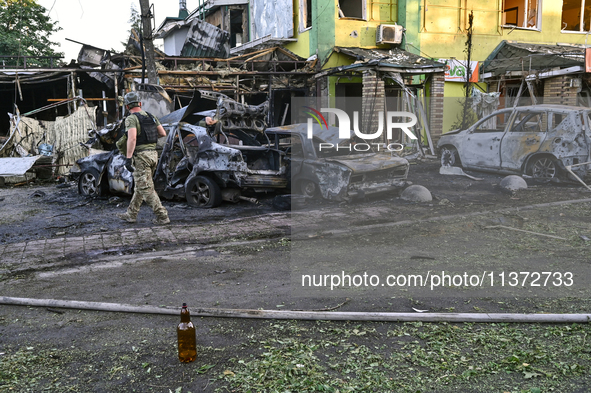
[[31, 370], [411, 357], [304, 356]]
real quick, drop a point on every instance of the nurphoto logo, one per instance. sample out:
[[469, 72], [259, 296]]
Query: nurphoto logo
[[345, 123], [345, 129]]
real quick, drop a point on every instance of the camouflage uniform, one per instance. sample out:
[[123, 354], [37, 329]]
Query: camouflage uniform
[[145, 164], [145, 160]]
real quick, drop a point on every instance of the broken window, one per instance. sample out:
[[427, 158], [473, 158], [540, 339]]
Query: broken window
[[521, 13], [236, 31], [495, 122], [576, 15], [530, 122], [305, 14], [352, 9]]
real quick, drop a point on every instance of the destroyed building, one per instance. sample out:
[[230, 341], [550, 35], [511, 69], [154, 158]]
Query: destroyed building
[[101, 77], [528, 73]]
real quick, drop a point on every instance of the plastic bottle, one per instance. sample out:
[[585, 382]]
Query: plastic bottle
[[186, 337]]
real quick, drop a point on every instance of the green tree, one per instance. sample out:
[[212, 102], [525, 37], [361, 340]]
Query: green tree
[[135, 22], [25, 30]]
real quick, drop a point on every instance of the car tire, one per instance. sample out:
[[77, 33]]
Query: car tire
[[308, 188], [543, 168], [89, 183], [449, 156], [203, 192]]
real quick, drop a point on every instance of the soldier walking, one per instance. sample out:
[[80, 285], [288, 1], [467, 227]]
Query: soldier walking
[[143, 131]]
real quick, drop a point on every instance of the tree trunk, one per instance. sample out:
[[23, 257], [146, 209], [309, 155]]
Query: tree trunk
[[148, 44]]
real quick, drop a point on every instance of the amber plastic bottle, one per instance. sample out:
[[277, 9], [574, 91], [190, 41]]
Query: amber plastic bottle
[[186, 337]]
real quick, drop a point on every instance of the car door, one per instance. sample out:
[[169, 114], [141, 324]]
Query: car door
[[295, 153], [482, 144], [524, 136]]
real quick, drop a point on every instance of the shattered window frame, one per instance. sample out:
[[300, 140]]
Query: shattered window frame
[[305, 13], [529, 121], [495, 122], [347, 5], [523, 11], [582, 22]]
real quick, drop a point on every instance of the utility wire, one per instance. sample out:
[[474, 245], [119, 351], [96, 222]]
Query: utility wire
[[48, 12]]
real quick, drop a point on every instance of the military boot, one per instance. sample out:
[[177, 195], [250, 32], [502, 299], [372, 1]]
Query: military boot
[[126, 217], [161, 220]]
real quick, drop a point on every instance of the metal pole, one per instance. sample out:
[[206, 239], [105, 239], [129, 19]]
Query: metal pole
[[116, 97], [105, 109], [143, 57], [306, 315]]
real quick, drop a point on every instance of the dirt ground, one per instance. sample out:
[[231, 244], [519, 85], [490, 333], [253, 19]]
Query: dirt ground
[[86, 351], [46, 210]]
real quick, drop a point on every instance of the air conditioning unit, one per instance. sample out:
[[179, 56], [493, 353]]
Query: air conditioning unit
[[389, 34]]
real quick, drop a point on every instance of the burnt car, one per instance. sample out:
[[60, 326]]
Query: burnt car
[[206, 165], [198, 167], [336, 171], [103, 171], [540, 141]]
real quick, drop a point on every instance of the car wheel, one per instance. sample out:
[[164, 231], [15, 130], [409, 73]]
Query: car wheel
[[89, 183], [308, 188], [450, 156], [203, 192], [543, 168]]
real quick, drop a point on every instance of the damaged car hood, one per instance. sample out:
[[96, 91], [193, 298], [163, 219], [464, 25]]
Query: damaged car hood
[[361, 163]]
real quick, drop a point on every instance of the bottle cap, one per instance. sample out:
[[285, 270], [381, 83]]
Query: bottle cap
[[184, 304]]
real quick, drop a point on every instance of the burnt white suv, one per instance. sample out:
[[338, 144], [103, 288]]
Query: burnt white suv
[[539, 141]]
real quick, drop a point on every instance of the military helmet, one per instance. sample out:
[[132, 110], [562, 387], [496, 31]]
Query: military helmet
[[131, 97]]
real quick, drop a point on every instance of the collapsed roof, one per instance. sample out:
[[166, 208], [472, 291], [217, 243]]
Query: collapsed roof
[[394, 59], [203, 39]]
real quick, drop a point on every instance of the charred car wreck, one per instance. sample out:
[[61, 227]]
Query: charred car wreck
[[542, 141], [103, 171], [208, 164]]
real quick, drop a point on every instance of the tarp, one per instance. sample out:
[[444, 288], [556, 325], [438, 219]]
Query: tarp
[[16, 166], [65, 134]]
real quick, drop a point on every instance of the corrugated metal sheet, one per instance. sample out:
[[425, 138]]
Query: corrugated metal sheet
[[273, 17], [170, 25], [206, 40]]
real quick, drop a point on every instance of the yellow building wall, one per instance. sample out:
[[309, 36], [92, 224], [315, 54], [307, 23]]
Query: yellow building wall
[[443, 28], [347, 32], [443, 35], [302, 46], [362, 33], [453, 93], [355, 33], [337, 59]]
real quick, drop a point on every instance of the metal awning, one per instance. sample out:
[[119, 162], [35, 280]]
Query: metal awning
[[522, 59], [389, 60], [267, 41]]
